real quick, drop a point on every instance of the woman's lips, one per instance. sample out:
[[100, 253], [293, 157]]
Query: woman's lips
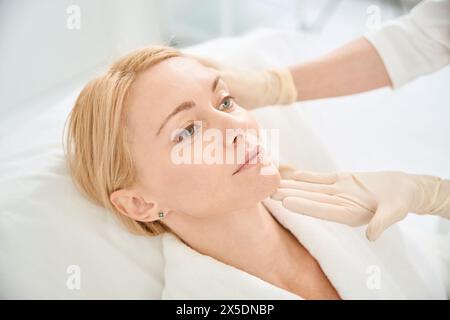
[[248, 159]]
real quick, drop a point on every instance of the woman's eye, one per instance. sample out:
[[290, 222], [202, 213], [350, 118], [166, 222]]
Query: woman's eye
[[227, 103], [186, 133]]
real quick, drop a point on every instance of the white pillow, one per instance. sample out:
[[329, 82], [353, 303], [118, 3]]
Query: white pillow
[[46, 226], [49, 232]]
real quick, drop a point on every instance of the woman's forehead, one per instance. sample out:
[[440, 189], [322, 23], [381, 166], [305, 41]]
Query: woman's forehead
[[177, 69], [178, 75], [159, 89]]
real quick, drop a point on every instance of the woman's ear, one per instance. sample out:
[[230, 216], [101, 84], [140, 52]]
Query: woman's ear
[[131, 204]]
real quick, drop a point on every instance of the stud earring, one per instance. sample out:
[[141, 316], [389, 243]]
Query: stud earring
[[161, 214]]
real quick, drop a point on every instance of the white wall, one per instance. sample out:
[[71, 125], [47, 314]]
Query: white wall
[[39, 52]]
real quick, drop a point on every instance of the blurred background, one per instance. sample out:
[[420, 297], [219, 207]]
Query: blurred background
[[48, 42]]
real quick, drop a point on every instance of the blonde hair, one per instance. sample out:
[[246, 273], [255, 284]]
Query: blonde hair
[[96, 144]]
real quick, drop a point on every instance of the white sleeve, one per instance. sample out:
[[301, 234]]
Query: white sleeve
[[415, 44]]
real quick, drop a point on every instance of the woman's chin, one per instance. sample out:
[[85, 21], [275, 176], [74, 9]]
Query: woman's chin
[[257, 182]]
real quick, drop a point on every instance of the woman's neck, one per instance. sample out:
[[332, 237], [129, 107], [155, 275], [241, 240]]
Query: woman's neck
[[249, 239]]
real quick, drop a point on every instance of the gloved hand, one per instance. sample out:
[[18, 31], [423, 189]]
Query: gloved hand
[[254, 89], [379, 199]]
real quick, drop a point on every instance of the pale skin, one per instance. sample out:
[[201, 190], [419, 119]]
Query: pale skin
[[209, 207], [353, 68]]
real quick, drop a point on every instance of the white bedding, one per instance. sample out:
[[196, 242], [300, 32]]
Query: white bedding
[[46, 226]]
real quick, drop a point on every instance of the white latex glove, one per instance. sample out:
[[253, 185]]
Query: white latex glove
[[379, 199], [254, 89]]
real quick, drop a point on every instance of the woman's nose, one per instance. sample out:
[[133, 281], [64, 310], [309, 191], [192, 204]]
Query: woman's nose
[[233, 140], [235, 132], [241, 139], [236, 128]]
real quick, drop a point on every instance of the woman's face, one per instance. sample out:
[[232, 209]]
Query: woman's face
[[172, 109]]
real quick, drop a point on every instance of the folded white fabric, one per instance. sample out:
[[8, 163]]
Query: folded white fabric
[[415, 44], [394, 267]]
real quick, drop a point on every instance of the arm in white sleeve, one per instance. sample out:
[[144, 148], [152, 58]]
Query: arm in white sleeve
[[415, 44]]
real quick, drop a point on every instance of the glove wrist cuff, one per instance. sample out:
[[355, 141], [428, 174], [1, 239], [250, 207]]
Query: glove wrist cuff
[[281, 87], [433, 196]]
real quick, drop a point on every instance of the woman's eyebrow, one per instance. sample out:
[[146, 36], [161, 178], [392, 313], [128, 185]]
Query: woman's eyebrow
[[215, 83], [182, 107], [186, 105]]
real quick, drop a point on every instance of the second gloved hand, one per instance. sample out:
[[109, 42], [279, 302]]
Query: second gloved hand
[[379, 199], [253, 89]]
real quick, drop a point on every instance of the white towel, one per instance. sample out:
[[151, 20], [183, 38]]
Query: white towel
[[394, 267]]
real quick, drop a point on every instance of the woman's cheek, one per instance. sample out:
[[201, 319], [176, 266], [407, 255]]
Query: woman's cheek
[[252, 123]]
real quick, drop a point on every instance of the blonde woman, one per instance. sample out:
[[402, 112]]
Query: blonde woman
[[121, 136], [121, 132]]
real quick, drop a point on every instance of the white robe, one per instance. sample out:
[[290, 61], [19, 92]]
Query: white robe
[[415, 44], [397, 266]]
